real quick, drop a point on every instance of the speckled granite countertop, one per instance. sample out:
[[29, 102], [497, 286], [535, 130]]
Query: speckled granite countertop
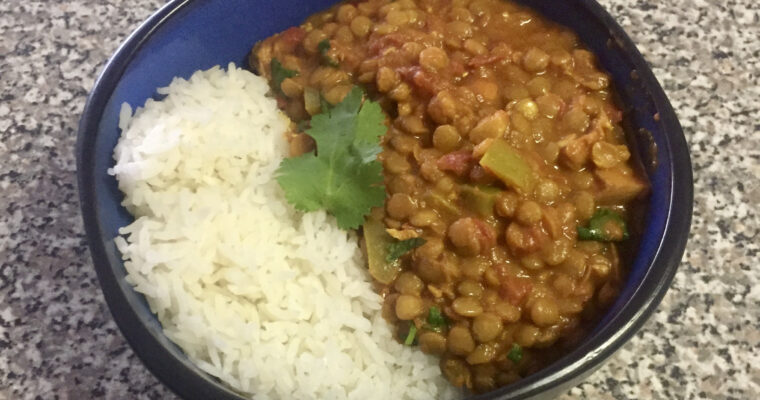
[[57, 338]]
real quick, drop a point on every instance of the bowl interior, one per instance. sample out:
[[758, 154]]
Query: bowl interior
[[187, 36]]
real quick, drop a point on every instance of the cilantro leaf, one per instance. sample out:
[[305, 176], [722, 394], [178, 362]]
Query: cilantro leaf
[[343, 177], [436, 319], [411, 336], [604, 226], [515, 353], [400, 247], [324, 47], [280, 73]]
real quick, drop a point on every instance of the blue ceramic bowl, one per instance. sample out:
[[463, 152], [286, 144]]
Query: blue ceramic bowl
[[185, 36]]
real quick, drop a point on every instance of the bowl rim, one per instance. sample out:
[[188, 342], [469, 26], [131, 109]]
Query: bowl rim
[[182, 379]]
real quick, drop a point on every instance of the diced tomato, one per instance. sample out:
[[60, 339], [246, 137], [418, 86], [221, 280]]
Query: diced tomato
[[515, 288], [281, 102], [291, 38], [458, 162], [487, 236]]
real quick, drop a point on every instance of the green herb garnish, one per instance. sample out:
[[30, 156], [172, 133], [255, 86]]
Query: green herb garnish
[[436, 320], [411, 336], [515, 353], [344, 177], [280, 73], [399, 248], [324, 47], [604, 226]]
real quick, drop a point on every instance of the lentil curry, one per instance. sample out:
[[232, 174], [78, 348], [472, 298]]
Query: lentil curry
[[509, 183]]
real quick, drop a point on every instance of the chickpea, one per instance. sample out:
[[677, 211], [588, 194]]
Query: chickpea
[[532, 262], [397, 18], [395, 163], [506, 204], [486, 327], [457, 372], [470, 288], [544, 312], [467, 306], [344, 35], [443, 107], [528, 213], [346, 13], [526, 335], [539, 86], [576, 120], [564, 284], [527, 108], [473, 268], [432, 343], [535, 60], [483, 353], [335, 94], [433, 59], [575, 263], [471, 236], [446, 138], [458, 31], [400, 206], [408, 307], [547, 191], [424, 218], [404, 183], [460, 341], [492, 126], [312, 39], [386, 79], [474, 47], [519, 239], [403, 144], [401, 92], [514, 92], [600, 265], [432, 248], [409, 283], [429, 270], [582, 179], [506, 311], [584, 205], [291, 88], [550, 105], [361, 26], [556, 252], [607, 155]]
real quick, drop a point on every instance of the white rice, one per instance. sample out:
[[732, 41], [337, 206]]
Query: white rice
[[276, 303]]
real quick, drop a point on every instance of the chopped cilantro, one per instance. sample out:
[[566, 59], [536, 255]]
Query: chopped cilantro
[[344, 177], [280, 73], [324, 106], [324, 47], [411, 336], [436, 319], [604, 226], [515, 353], [400, 247]]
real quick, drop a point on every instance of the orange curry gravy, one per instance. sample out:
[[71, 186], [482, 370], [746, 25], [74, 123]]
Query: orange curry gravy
[[459, 80]]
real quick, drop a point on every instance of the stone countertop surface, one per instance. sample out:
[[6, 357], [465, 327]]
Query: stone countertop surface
[[58, 340]]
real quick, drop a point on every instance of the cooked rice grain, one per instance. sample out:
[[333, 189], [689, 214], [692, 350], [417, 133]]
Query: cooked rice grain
[[274, 302]]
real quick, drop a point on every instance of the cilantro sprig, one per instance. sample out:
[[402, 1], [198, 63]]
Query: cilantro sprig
[[604, 226], [400, 247], [515, 353], [344, 176], [436, 320], [280, 73], [324, 47]]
